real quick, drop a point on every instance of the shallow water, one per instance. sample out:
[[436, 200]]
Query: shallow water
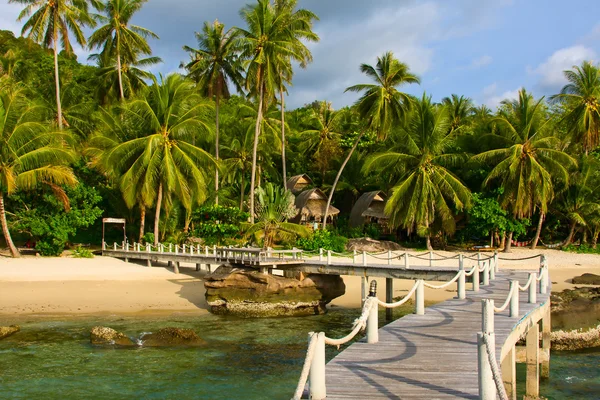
[[244, 359]]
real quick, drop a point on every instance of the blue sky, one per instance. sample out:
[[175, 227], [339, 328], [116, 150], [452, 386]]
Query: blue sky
[[485, 49]]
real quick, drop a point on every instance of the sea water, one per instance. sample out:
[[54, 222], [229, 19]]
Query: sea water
[[52, 358]]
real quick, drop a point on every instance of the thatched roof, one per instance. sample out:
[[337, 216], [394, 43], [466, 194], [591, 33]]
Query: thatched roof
[[370, 204], [297, 183], [313, 202]]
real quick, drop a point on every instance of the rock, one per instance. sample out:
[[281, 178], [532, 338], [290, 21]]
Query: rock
[[172, 337], [6, 331], [575, 308], [250, 293], [587, 279], [102, 336], [371, 245], [576, 339]]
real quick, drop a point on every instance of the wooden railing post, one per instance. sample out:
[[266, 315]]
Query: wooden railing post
[[431, 258], [328, 257], [486, 273], [406, 261], [420, 297], [543, 279], [354, 256], [373, 320], [461, 289], [364, 258], [487, 386], [476, 278], [389, 257], [316, 378], [103, 245], [496, 266], [115, 246], [321, 254], [514, 300], [492, 267], [532, 288]]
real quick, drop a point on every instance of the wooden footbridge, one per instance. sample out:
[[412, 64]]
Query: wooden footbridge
[[461, 348]]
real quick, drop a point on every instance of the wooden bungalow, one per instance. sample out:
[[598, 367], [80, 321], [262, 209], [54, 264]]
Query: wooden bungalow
[[298, 183], [311, 205], [370, 209]]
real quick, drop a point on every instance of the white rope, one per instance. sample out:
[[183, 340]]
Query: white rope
[[472, 271], [445, 284], [399, 303], [522, 288], [491, 354], [507, 302], [542, 272], [310, 352], [359, 324], [483, 268]]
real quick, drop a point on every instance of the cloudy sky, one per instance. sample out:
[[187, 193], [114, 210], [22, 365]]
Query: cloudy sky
[[485, 49]]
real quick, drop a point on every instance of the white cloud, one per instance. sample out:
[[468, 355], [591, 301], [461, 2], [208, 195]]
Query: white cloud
[[551, 71], [490, 90], [8, 18], [493, 101], [481, 61]]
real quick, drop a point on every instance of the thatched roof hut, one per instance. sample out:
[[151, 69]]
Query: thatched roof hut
[[311, 204], [298, 183], [370, 206]]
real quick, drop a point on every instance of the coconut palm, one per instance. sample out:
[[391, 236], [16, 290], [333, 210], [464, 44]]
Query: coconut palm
[[267, 41], [118, 38], [161, 159], [426, 190], [526, 159], [30, 152], [274, 206], [215, 64], [581, 96], [460, 108], [381, 106], [51, 21], [324, 125]]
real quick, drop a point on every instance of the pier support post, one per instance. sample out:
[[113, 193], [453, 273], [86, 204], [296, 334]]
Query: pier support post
[[264, 270], [148, 263], [198, 266], [461, 285], [420, 298], [509, 374], [514, 299], [389, 297], [487, 387], [316, 378], [532, 387], [364, 281], [476, 278], [545, 370], [176, 267], [372, 321]]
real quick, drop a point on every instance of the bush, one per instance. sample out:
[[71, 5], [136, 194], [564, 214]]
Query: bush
[[217, 224], [582, 249], [50, 248], [373, 231], [323, 239], [82, 252], [148, 238]]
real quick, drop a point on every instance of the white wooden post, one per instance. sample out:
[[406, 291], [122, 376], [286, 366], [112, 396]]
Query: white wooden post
[[148, 247], [420, 297], [205, 251], [544, 280], [492, 268], [183, 248], [126, 245], [316, 378], [372, 321], [176, 249], [406, 262], [486, 273], [487, 319], [487, 387], [115, 246], [170, 247], [532, 288], [461, 279], [354, 257], [328, 257], [389, 257], [103, 245], [431, 258], [321, 254], [476, 278], [496, 267], [364, 258], [514, 300]]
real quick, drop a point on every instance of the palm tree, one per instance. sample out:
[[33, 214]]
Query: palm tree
[[30, 152], [266, 42], [582, 98], [460, 108], [381, 106], [425, 189], [215, 64], [52, 21], [526, 159], [161, 159], [118, 38], [274, 206]]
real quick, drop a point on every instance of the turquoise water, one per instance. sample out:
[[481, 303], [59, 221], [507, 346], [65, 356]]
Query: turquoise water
[[244, 359]]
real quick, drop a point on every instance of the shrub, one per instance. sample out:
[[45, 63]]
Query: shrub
[[323, 239], [82, 252], [217, 224], [148, 238]]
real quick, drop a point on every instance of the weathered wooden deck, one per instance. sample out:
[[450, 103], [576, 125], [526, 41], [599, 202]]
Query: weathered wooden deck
[[431, 356]]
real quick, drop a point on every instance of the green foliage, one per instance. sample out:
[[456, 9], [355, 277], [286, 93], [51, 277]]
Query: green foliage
[[582, 249], [148, 238], [373, 231], [82, 252], [323, 239], [216, 225], [46, 220]]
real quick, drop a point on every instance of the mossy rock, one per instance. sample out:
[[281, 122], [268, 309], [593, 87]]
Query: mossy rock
[[172, 336], [587, 279], [6, 331]]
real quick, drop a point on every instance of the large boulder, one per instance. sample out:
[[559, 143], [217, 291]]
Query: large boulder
[[576, 339], [250, 293], [587, 279], [102, 336], [172, 337], [575, 308], [372, 246], [6, 331]]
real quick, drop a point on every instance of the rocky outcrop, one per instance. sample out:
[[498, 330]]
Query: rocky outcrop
[[170, 336], [576, 339], [587, 279], [250, 293], [6, 331], [102, 336], [371, 245], [575, 308]]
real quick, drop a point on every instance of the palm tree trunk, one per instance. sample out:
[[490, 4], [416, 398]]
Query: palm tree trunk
[[503, 241], [255, 148], [157, 214], [569, 239], [121, 93], [13, 249], [283, 136], [508, 243], [242, 192], [142, 221], [217, 149], [337, 178], [428, 241], [595, 233], [57, 83], [538, 232]]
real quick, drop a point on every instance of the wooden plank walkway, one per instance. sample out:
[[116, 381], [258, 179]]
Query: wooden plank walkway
[[431, 356]]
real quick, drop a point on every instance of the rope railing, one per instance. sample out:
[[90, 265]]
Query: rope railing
[[445, 285], [507, 302], [403, 300], [491, 359]]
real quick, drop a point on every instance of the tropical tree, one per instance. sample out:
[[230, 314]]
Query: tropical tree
[[426, 189], [381, 106], [460, 108], [215, 64], [30, 152], [526, 160], [581, 96], [50, 22], [161, 159], [274, 206], [118, 38]]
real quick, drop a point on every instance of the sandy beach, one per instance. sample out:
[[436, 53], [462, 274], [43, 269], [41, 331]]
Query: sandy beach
[[32, 286]]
